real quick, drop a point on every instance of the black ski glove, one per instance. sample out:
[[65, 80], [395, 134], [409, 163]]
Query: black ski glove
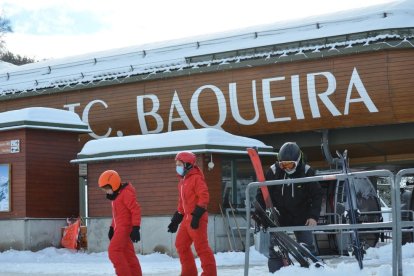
[[135, 236], [197, 213], [110, 232], [175, 221]]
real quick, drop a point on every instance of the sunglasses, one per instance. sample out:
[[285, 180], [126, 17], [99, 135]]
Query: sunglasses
[[289, 165]]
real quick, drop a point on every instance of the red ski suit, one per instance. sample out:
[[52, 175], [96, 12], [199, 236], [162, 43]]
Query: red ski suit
[[192, 190], [126, 212]]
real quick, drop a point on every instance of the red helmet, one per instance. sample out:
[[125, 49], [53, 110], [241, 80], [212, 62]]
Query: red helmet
[[110, 178], [186, 157]]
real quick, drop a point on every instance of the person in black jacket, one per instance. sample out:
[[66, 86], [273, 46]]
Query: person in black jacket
[[298, 204]]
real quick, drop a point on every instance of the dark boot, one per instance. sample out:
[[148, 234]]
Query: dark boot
[[275, 261]]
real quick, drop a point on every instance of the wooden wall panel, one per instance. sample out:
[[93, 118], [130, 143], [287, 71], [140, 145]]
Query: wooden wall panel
[[214, 181], [52, 188], [401, 84], [155, 181], [18, 174]]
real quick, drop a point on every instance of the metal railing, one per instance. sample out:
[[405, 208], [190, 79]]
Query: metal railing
[[397, 239], [395, 224]]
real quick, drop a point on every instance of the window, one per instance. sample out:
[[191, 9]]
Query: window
[[236, 175]]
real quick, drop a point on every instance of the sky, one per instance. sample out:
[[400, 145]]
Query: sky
[[45, 29], [60, 262]]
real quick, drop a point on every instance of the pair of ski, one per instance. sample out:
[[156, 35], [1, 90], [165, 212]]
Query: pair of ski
[[286, 244]]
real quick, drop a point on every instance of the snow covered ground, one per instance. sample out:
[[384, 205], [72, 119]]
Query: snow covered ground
[[53, 261]]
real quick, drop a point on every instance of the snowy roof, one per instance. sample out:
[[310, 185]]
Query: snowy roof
[[389, 25], [205, 140], [42, 118], [6, 65]]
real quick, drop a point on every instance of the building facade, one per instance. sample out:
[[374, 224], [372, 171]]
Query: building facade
[[345, 80]]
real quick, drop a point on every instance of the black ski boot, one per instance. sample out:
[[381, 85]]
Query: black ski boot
[[276, 260]]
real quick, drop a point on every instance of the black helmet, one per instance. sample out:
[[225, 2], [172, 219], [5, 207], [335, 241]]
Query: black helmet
[[289, 157], [289, 152]]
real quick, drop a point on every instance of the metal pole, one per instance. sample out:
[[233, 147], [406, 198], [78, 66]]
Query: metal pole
[[248, 220], [397, 262], [395, 255]]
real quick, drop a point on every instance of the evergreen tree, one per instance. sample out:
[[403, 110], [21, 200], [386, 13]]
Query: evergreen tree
[[15, 59]]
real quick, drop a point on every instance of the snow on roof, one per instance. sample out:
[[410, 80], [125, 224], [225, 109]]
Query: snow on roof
[[205, 140], [164, 57], [42, 118], [6, 65]]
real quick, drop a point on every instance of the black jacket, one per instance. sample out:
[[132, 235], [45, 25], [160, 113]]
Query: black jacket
[[295, 202]]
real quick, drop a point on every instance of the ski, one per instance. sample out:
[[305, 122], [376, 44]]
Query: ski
[[286, 243], [237, 226], [268, 218], [352, 211]]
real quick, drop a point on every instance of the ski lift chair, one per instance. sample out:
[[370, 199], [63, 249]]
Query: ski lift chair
[[333, 206]]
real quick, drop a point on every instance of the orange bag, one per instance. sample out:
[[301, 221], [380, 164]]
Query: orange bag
[[71, 235]]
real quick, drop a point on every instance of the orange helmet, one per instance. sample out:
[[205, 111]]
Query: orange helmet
[[110, 178], [186, 157]]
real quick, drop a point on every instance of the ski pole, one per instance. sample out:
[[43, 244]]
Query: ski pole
[[226, 227]]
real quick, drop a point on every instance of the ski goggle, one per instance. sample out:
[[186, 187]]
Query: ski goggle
[[289, 165]]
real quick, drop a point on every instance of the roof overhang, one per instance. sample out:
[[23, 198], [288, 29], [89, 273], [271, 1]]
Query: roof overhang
[[44, 126], [42, 118], [206, 140]]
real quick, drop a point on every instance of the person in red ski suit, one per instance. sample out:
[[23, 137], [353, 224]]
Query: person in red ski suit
[[192, 214], [125, 226]]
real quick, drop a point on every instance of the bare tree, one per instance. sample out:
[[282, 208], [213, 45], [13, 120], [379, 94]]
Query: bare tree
[[5, 27], [5, 55]]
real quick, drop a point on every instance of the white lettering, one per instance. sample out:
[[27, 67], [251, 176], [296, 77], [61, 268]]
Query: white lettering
[[297, 103], [182, 115], [357, 82], [323, 96], [141, 114], [267, 101], [85, 118], [71, 107], [235, 107], [241, 102], [221, 102]]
